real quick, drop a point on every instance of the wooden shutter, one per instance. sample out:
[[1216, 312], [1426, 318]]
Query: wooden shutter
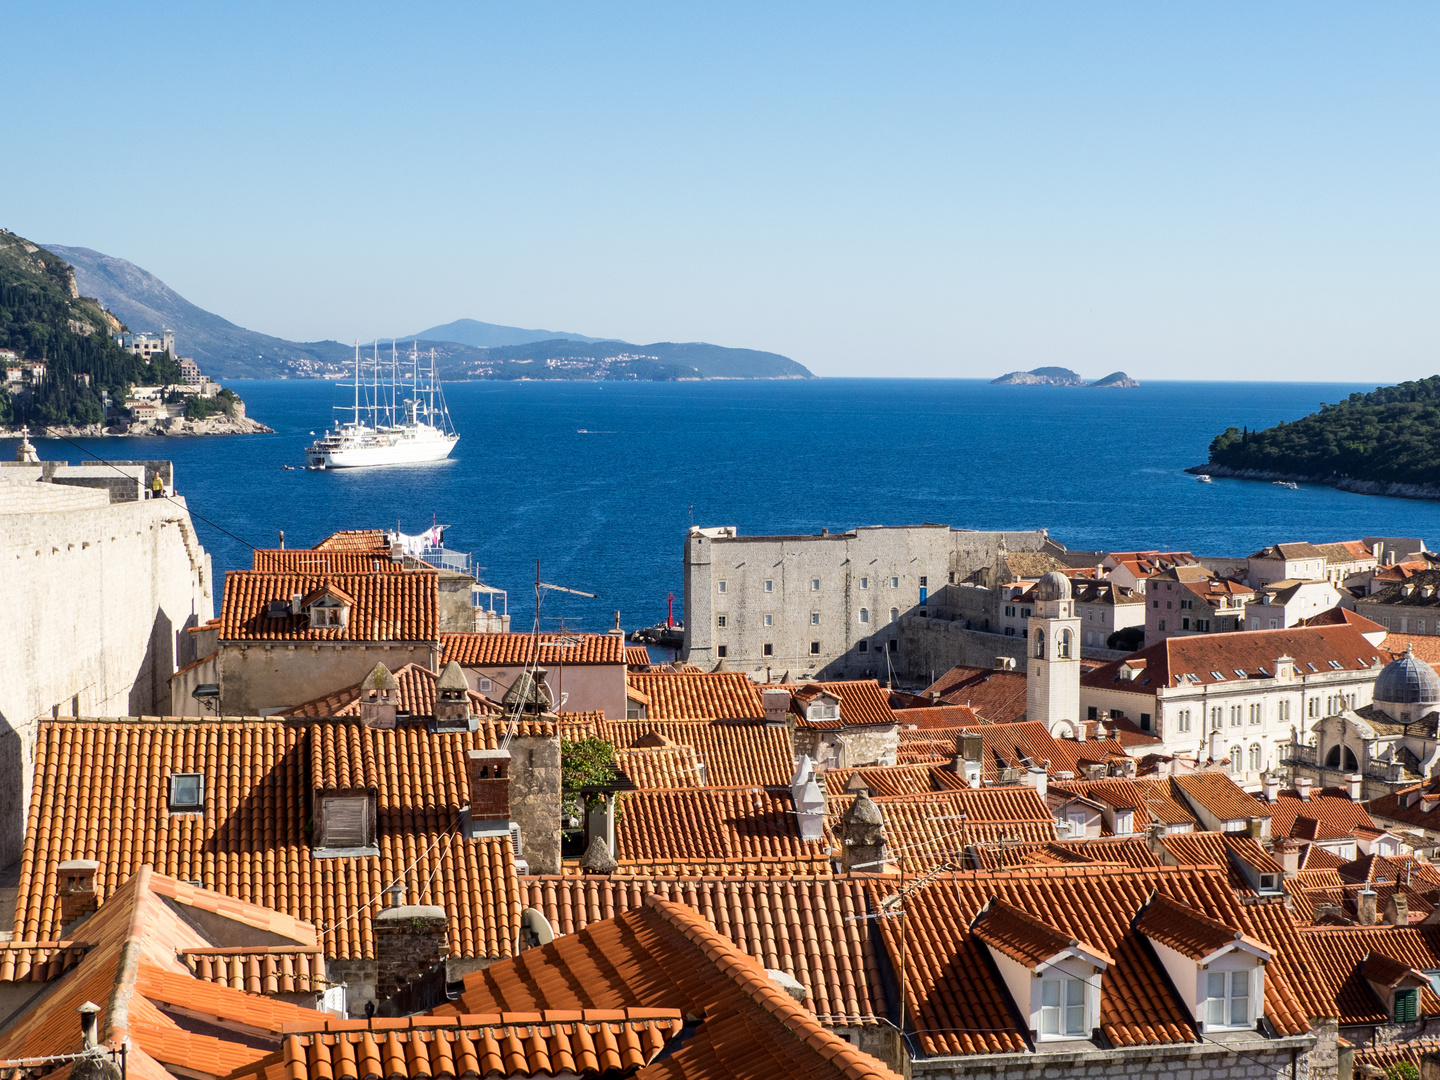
[[347, 822], [1406, 1005]]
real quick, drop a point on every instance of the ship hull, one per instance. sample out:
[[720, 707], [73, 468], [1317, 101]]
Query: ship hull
[[400, 452]]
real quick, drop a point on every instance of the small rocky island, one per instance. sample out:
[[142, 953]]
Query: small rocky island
[[1059, 376]]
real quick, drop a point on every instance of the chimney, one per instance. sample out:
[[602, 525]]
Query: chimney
[[1164, 767], [1397, 909], [863, 845], [616, 628], [969, 760], [934, 697], [90, 1020], [1270, 785], [1353, 785], [808, 799], [1287, 854], [295, 599], [1365, 907], [1082, 730], [452, 700], [1215, 754], [409, 941], [379, 698], [489, 774], [397, 552], [1038, 778], [282, 539], [776, 703], [1302, 787], [77, 890]]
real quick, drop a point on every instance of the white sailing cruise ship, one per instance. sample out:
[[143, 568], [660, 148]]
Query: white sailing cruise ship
[[401, 418]]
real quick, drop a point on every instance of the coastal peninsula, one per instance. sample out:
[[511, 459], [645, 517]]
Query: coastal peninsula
[[1386, 442]]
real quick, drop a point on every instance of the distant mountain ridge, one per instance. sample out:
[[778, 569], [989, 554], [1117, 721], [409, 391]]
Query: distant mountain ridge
[[1059, 376], [465, 348]]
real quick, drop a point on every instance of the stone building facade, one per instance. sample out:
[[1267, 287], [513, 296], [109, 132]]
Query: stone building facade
[[826, 606]]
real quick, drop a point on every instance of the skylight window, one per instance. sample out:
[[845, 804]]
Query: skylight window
[[1336, 665], [1220, 675], [1311, 666], [1193, 677], [1239, 672], [187, 792]]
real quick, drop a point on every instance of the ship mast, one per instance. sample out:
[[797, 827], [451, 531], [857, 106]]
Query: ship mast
[[357, 382]]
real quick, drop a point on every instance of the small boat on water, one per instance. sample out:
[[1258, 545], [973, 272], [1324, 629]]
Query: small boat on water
[[1286, 484], [1203, 478]]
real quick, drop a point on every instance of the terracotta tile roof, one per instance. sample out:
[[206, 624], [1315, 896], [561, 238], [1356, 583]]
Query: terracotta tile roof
[[354, 540], [1113, 851], [717, 831], [895, 779], [1223, 851], [924, 830], [1216, 792], [665, 955], [417, 697], [388, 607], [804, 927], [38, 961], [958, 1006], [1339, 616], [502, 650], [132, 970], [338, 561], [1189, 932], [1332, 806], [278, 969], [1151, 798], [1426, 647], [1202, 655], [998, 696], [720, 695], [733, 753], [1339, 952], [1317, 858], [1382, 869], [661, 766], [590, 1043], [939, 716], [1386, 1058], [1023, 937], [252, 841], [637, 656], [1018, 745], [1145, 564], [195, 664], [862, 702]]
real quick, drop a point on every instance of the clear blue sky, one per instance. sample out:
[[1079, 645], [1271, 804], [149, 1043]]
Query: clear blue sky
[[1206, 190]]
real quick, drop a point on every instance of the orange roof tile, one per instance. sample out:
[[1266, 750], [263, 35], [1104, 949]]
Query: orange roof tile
[[1114, 851], [806, 927], [998, 696], [717, 831], [862, 701], [38, 961], [252, 841], [354, 540], [665, 955], [939, 716], [1332, 806], [1189, 932], [717, 695], [1023, 937], [1339, 952], [667, 766], [1151, 798], [512, 650], [1338, 616], [330, 561], [1216, 792], [591, 1043], [732, 752], [417, 697], [637, 656], [388, 607], [895, 779], [274, 970]]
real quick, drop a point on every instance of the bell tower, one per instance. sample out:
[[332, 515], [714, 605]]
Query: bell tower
[[1052, 676]]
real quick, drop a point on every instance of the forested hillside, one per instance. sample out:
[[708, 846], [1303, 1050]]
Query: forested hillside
[[43, 318], [1390, 435]]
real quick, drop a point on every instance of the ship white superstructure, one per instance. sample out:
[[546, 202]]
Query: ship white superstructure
[[398, 417]]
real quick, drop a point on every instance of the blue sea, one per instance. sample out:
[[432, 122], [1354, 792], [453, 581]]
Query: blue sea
[[606, 510]]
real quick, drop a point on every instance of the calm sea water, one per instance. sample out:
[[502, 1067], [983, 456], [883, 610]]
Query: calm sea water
[[607, 511]]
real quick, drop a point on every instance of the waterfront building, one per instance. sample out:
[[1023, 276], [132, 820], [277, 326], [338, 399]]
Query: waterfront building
[[1191, 599]]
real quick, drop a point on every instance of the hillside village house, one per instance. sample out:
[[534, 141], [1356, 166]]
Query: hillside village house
[[1237, 697]]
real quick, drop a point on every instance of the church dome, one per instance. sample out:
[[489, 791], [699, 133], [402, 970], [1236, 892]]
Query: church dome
[[1053, 586], [1408, 681]]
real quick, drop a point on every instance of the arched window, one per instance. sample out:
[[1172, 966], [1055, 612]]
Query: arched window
[[1236, 762], [865, 615], [894, 614], [1332, 759], [1254, 757], [1039, 644], [1341, 757], [1064, 645]]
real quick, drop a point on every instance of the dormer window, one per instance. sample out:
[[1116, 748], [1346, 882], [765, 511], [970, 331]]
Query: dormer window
[[327, 613], [187, 793], [1062, 1008], [1228, 1004], [345, 822]]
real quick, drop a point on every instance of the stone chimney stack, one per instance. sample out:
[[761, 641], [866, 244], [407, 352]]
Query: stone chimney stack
[[452, 700], [1270, 784], [77, 890], [1365, 907], [410, 939], [969, 760], [1397, 909], [1354, 785], [777, 707], [89, 1025], [1287, 854], [379, 698], [489, 774], [1215, 754], [864, 846], [1302, 787]]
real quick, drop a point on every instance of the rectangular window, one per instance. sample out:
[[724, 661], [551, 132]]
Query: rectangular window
[[814, 618], [863, 646], [769, 585], [346, 821], [1407, 1005], [814, 648], [720, 621], [768, 649], [1162, 624], [865, 616], [187, 792], [1183, 720], [1092, 713], [864, 583], [924, 581], [721, 587], [1185, 623], [769, 620], [893, 646], [1062, 1007], [814, 584], [722, 651], [1228, 1003], [894, 583]]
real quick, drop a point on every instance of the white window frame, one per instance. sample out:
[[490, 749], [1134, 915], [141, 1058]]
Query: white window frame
[[1222, 1008], [814, 584], [1062, 1001], [721, 585], [864, 583], [865, 616], [769, 585], [769, 620]]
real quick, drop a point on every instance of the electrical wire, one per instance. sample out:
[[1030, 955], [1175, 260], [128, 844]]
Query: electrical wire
[[399, 880], [193, 513]]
